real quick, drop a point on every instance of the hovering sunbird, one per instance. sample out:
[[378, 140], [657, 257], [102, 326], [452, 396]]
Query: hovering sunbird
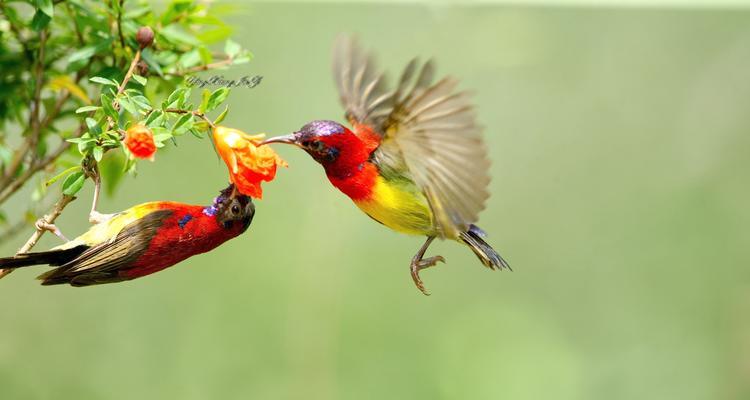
[[414, 158]]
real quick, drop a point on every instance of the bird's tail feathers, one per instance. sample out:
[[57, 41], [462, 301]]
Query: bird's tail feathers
[[474, 238], [51, 257]]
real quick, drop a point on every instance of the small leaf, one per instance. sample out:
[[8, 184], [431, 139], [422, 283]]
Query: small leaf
[[61, 174], [73, 183], [86, 109], [232, 48], [93, 126], [40, 21], [104, 81], [46, 7], [205, 96], [182, 123], [108, 109], [139, 79], [98, 153], [175, 34], [221, 116], [88, 51], [217, 97], [128, 105]]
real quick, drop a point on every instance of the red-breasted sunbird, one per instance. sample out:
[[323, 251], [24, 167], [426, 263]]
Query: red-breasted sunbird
[[141, 240], [414, 158]]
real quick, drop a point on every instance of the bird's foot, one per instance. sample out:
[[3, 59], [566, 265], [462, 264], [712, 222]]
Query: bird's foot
[[96, 217], [43, 225], [420, 264]]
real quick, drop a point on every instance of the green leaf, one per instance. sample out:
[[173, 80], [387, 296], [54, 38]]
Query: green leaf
[[108, 109], [93, 126], [184, 123], [104, 81], [231, 48], [175, 34], [128, 105], [61, 174], [86, 109], [154, 119], [40, 21], [98, 153], [89, 51], [217, 97], [221, 116], [73, 183], [205, 96], [46, 7], [139, 79], [151, 61]]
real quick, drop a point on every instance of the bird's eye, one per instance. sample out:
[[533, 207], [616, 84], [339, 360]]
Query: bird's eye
[[317, 145], [235, 209]]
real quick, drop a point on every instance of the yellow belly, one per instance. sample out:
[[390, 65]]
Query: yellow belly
[[401, 207]]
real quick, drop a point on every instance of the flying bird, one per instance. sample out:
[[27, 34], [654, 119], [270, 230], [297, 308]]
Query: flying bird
[[413, 157], [141, 240]]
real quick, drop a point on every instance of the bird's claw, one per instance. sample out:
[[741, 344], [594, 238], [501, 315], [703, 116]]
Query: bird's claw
[[43, 225], [418, 265]]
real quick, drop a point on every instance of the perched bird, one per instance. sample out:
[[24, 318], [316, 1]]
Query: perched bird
[[141, 240], [414, 158]]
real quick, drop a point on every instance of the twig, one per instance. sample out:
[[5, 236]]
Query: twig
[[34, 121], [119, 24], [205, 67], [129, 74], [47, 219], [36, 167], [195, 113]]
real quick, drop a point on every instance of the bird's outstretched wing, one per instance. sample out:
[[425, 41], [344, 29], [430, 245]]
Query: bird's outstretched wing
[[362, 89], [429, 128], [102, 263]]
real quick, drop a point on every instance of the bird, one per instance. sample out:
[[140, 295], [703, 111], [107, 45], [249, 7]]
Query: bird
[[413, 158], [141, 240]]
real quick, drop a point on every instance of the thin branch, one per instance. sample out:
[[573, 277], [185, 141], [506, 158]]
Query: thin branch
[[119, 24], [195, 113], [198, 68], [34, 120], [36, 167], [48, 219], [129, 74]]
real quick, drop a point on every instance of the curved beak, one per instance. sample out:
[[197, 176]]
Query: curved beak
[[288, 139]]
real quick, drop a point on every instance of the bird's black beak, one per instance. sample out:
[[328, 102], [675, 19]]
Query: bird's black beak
[[288, 139]]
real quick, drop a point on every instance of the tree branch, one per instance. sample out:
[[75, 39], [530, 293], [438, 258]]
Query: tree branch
[[47, 219]]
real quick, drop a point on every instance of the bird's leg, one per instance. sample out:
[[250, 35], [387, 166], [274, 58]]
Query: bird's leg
[[43, 225], [96, 217], [418, 263]]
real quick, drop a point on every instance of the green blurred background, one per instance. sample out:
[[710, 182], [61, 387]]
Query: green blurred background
[[619, 140]]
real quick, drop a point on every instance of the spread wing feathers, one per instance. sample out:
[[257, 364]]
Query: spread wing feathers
[[362, 90], [102, 263], [428, 128], [434, 129]]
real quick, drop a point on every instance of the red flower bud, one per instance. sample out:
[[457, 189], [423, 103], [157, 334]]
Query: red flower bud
[[140, 141]]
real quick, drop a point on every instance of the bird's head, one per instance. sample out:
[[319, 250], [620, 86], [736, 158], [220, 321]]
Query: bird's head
[[232, 209], [328, 142]]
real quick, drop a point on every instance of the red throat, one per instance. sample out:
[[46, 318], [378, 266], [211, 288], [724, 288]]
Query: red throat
[[351, 172]]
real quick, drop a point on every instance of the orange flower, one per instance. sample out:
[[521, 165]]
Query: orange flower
[[140, 141], [248, 164]]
